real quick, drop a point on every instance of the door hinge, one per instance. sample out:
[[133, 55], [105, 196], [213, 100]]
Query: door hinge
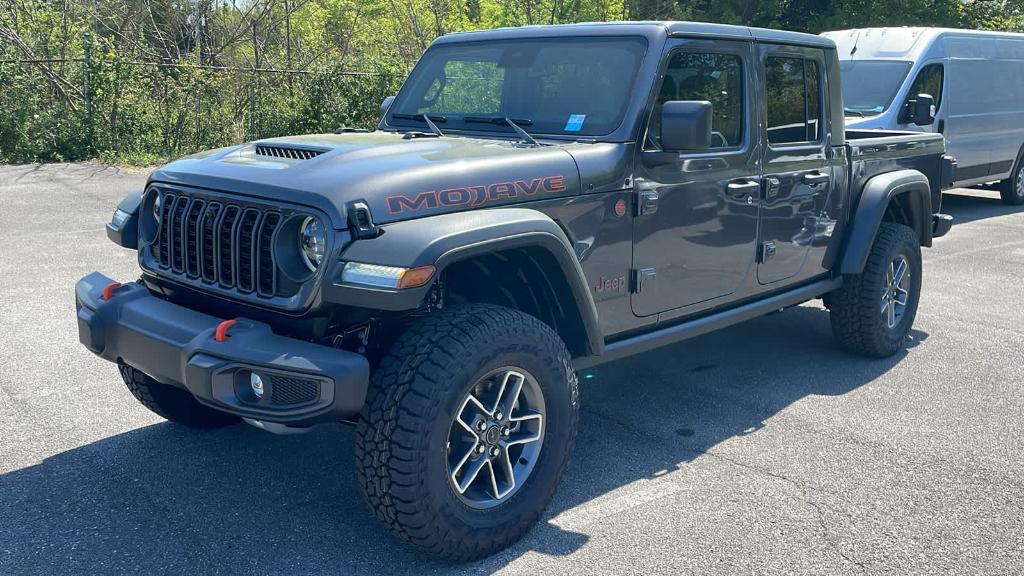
[[646, 203], [765, 251], [771, 187], [639, 278]]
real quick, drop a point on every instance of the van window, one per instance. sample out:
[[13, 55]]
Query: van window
[[716, 78], [928, 81], [794, 100]]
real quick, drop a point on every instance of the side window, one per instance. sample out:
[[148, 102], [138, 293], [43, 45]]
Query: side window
[[717, 78], [929, 81], [793, 100]]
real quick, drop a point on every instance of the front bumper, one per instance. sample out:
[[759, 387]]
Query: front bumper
[[304, 383]]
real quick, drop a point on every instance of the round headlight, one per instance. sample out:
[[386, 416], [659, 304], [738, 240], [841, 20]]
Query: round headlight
[[312, 242]]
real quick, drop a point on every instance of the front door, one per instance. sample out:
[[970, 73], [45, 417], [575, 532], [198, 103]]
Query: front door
[[696, 231], [797, 169]]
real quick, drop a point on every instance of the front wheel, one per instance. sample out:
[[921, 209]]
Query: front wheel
[[467, 429], [873, 312], [1012, 189]]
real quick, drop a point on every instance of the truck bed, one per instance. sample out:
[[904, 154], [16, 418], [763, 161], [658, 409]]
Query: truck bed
[[874, 152]]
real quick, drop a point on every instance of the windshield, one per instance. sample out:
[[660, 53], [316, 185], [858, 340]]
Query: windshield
[[870, 85], [572, 86]]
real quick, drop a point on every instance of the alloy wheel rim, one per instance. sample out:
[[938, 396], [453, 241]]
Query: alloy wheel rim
[[896, 294], [495, 438], [1020, 182]]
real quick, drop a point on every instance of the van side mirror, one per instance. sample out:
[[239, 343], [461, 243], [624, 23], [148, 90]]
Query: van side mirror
[[686, 125], [386, 104], [921, 110]]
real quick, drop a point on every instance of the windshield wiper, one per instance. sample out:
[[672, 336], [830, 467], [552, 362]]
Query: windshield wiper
[[424, 118], [514, 124], [852, 111]]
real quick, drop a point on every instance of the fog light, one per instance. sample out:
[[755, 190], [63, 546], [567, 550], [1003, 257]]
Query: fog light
[[257, 385]]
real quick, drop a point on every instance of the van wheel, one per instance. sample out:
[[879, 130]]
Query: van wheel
[[873, 312], [467, 429], [1012, 189]]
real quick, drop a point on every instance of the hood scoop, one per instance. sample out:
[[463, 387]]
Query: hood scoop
[[287, 152]]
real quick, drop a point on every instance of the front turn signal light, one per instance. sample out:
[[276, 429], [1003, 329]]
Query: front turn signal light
[[380, 276]]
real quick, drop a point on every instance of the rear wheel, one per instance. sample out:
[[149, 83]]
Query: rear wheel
[[873, 312], [1012, 189], [172, 403], [467, 429]]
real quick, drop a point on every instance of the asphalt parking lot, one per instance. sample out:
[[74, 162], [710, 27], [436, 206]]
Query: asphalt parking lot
[[759, 449]]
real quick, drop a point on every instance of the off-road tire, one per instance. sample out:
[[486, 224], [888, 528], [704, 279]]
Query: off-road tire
[[854, 309], [1012, 189], [401, 437], [172, 403]]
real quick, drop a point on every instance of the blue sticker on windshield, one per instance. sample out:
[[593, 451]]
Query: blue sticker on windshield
[[575, 123]]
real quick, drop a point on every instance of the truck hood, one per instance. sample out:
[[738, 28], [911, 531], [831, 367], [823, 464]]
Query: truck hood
[[398, 178]]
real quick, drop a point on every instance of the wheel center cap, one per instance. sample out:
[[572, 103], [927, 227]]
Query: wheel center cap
[[492, 435]]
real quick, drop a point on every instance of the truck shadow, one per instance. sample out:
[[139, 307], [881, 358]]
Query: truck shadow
[[972, 205], [165, 499]]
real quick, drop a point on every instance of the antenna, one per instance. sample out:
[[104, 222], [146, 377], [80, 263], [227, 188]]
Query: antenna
[[856, 41]]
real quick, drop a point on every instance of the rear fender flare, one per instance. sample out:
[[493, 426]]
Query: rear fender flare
[[879, 192], [448, 238]]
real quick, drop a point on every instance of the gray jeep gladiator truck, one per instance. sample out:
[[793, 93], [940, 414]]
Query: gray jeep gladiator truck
[[534, 201]]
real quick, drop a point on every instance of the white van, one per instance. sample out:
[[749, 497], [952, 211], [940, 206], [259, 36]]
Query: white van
[[976, 79]]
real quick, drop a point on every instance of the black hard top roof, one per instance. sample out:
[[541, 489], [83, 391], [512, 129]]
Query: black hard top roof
[[647, 29]]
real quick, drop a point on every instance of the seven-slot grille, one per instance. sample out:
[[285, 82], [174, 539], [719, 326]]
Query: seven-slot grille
[[218, 243]]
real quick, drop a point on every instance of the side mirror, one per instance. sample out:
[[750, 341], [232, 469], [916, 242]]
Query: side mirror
[[686, 125], [386, 104], [921, 110]]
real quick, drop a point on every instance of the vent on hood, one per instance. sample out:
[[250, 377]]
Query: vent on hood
[[289, 152]]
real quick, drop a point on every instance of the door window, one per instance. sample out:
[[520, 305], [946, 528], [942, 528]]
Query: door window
[[928, 81], [716, 78], [793, 100]]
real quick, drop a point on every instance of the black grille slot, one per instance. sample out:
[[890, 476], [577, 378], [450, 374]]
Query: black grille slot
[[192, 240], [177, 233], [289, 152], [290, 391], [222, 243], [246, 248], [208, 241], [226, 246], [266, 267]]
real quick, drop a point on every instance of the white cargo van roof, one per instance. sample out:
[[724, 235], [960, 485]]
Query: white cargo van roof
[[899, 43]]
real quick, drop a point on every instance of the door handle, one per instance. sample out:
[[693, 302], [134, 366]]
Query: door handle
[[743, 188], [815, 178]]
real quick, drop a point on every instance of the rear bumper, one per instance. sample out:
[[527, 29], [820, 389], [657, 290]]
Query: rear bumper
[[304, 383]]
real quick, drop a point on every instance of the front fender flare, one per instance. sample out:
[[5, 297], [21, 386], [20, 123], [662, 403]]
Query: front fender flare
[[444, 239], [875, 199]]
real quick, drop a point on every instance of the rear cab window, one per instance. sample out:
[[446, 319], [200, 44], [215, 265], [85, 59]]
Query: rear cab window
[[793, 100]]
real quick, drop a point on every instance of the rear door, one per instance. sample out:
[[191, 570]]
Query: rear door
[[695, 235], [796, 162]]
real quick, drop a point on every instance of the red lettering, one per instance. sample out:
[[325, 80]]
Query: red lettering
[[454, 196], [501, 190], [530, 188], [555, 184], [422, 200]]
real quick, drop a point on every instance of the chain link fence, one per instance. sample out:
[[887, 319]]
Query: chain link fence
[[77, 108]]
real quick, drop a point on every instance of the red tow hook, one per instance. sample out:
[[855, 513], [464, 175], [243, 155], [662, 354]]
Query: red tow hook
[[222, 330], [108, 291]]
